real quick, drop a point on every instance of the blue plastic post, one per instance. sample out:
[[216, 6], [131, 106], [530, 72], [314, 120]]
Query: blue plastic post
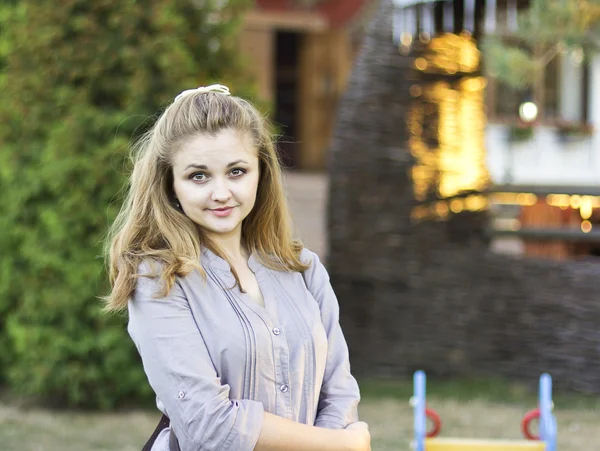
[[547, 419], [419, 401]]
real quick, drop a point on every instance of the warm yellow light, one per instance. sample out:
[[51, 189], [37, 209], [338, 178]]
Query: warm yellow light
[[515, 198], [586, 209], [474, 84], [526, 199], [475, 202], [453, 96], [575, 201], [415, 90], [505, 198], [456, 205], [416, 129], [559, 200], [454, 161], [441, 209], [586, 226], [406, 39], [418, 213], [421, 63]]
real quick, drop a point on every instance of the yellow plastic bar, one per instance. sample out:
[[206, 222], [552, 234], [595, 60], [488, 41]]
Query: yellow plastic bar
[[460, 444]]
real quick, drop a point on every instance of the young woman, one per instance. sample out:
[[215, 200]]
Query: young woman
[[236, 324]]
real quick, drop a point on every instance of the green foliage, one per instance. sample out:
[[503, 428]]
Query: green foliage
[[513, 65], [547, 28], [78, 79], [520, 133]]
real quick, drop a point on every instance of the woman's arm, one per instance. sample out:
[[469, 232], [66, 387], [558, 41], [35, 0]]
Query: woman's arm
[[340, 395], [181, 373], [281, 434]]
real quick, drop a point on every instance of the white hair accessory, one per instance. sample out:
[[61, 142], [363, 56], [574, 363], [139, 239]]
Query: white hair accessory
[[221, 89]]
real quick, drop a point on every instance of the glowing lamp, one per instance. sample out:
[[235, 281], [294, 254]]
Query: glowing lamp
[[528, 111]]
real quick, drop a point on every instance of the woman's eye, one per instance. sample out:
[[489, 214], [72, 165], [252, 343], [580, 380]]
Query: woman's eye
[[198, 177], [237, 172]]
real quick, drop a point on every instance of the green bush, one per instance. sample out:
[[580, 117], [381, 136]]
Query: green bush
[[78, 80]]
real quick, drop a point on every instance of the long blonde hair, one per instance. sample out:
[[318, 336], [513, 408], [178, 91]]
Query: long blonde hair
[[150, 227]]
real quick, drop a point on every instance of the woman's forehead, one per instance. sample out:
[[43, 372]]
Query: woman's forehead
[[216, 150]]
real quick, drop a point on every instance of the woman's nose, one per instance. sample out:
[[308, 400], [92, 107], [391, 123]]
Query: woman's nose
[[221, 191]]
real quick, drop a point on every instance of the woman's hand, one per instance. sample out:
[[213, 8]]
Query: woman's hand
[[361, 440]]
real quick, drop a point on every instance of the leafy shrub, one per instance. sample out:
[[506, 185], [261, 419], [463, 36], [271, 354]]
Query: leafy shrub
[[79, 79]]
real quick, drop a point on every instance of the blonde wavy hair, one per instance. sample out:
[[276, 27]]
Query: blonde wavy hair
[[150, 227]]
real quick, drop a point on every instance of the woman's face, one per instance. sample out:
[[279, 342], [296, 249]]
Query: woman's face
[[215, 180]]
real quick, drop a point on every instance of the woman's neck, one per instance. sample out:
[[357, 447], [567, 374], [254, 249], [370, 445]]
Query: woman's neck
[[231, 246]]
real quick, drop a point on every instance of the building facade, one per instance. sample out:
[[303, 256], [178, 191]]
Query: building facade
[[301, 52], [540, 146]]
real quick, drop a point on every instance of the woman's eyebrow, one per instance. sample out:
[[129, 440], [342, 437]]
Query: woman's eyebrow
[[203, 166], [196, 166], [236, 162]]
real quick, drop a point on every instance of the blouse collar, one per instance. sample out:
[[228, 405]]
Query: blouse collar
[[214, 261]]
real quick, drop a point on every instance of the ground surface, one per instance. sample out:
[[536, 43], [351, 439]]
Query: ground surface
[[466, 411]]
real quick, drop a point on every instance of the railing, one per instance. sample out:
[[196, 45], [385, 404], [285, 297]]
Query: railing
[[416, 18], [539, 234], [506, 225]]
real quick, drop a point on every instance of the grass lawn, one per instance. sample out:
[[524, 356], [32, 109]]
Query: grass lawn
[[468, 409]]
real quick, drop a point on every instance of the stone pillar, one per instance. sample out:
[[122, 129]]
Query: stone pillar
[[594, 110], [594, 90], [570, 90]]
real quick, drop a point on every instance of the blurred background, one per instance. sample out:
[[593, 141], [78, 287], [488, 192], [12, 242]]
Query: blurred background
[[443, 159]]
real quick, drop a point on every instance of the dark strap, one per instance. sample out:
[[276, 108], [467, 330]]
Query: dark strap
[[162, 425]]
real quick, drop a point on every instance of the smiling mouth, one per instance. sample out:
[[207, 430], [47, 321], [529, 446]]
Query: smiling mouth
[[224, 211]]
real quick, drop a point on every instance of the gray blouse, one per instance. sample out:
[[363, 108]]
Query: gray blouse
[[216, 359]]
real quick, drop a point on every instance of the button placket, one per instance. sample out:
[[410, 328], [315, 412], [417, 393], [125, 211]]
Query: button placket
[[281, 352], [281, 355]]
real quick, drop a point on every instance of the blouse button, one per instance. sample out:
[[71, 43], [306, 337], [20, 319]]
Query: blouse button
[[284, 388], [276, 330], [181, 395]]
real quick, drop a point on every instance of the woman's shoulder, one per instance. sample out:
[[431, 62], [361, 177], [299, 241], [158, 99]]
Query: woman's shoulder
[[153, 277], [307, 256], [316, 270], [156, 268], [148, 277], [149, 267]]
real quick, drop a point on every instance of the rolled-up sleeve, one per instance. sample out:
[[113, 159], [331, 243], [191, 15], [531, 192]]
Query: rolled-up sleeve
[[340, 394], [181, 373]]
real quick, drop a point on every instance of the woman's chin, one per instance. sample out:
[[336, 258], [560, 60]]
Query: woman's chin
[[220, 229]]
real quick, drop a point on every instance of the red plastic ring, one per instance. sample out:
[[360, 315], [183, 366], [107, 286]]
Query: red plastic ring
[[436, 420], [527, 419]]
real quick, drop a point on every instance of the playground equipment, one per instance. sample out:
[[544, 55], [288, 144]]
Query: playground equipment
[[427, 441]]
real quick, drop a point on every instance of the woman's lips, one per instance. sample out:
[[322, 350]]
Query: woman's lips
[[221, 212]]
